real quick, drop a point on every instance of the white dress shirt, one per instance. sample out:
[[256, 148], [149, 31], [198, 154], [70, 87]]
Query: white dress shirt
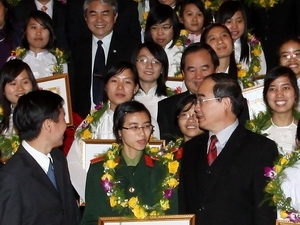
[[49, 6]]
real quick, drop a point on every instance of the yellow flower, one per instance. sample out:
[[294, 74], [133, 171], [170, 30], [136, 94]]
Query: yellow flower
[[283, 161], [242, 73], [124, 204], [278, 169], [269, 187], [15, 146], [153, 213], [154, 149], [111, 164], [139, 212], [89, 119], [113, 201], [172, 182], [106, 175], [179, 43], [145, 15], [168, 156], [173, 167], [86, 134], [184, 32], [275, 199], [110, 154], [256, 52], [133, 202], [250, 84], [1, 111], [256, 69], [164, 204], [207, 4], [283, 214]]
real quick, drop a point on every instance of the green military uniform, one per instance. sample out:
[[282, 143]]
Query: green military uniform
[[140, 181]]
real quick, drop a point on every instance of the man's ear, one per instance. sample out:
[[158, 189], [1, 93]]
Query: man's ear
[[227, 103], [47, 125]]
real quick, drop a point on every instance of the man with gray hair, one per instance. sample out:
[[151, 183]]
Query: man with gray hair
[[92, 57]]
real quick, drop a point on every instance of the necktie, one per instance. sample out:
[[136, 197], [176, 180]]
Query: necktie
[[51, 174], [212, 150], [44, 8], [98, 74]]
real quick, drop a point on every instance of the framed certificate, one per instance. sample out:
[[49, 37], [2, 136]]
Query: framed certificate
[[157, 220], [59, 84]]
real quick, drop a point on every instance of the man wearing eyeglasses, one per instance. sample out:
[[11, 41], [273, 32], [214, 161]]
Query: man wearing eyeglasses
[[222, 171]]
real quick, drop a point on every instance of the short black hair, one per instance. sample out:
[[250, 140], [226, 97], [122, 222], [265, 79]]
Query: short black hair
[[33, 109], [228, 86], [124, 109]]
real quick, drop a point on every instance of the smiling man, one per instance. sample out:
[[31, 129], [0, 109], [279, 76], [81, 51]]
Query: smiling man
[[87, 85], [222, 170]]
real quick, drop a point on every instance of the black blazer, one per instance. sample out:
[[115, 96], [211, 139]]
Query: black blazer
[[27, 195], [81, 68], [167, 121], [25, 7], [231, 190]]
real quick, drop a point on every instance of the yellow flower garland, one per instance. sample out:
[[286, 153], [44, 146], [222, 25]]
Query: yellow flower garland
[[60, 56], [273, 188], [116, 195]]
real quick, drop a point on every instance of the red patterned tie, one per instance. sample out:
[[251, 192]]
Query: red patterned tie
[[44, 8], [212, 150]]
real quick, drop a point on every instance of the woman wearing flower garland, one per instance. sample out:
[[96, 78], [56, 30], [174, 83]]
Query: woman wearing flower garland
[[193, 16], [247, 49], [152, 66], [126, 180], [219, 38], [121, 84], [37, 47], [279, 123], [162, 27], [16, 79], [281, 94]]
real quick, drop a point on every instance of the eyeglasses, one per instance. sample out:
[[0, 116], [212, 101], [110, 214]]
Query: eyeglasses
[[136, 129], [186, 116], [164, 27], [200, 101], [289, 55], [145, 61]]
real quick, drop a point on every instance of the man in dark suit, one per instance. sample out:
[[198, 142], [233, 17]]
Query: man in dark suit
[[55, 9], [100, 16], [197, 61], [35, 185], [222, 171]]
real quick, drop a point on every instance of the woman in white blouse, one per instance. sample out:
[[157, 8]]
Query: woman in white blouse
[[38, 40], [152, 65], [163, 27], [121, 84]]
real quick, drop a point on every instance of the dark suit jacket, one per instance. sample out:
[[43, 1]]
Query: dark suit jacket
[[231, 190], [25, 7], [27, 195], [81, 68], [167, 121]]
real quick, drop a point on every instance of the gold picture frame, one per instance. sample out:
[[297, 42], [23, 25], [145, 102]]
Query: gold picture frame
[[186, 219], [284, 222], [59, 84], [90, 148]]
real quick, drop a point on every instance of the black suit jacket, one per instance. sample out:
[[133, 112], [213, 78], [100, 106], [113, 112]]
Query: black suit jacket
[[81, 68], [167, 121], [27, 195], [25, 7], [231, 190]]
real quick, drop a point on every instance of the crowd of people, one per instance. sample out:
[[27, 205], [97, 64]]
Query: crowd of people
[[119, 55]]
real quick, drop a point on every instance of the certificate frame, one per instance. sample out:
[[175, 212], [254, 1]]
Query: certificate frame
[[185, 219], [175, 83], [59, 84], [284, 222], [255, 101], [90, 148]]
